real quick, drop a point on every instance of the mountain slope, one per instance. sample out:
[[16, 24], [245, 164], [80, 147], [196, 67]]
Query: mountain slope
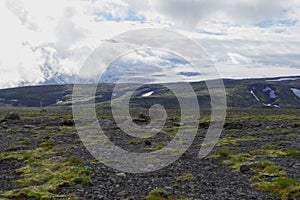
[[248, 93]]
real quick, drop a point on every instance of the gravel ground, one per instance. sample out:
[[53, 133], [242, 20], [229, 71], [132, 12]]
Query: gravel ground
[[213, 180]]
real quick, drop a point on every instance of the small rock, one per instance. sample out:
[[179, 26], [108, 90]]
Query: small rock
[[55, 158], [29, 126], [168, 188], [122, 193], [245, 169], [291, 165], [146, 183], [57, 128], [204, 125], [143, 116], [129, 198], [296, 165], [12, 116], [68, 122], [158, 131], [178, 124], [258, 125], [43, 111], [148, 143], [186, 155], [4, 126], [104, 124], [121, 174], [296, 126]]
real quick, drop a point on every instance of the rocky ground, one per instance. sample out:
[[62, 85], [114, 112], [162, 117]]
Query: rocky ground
[[257, 157]]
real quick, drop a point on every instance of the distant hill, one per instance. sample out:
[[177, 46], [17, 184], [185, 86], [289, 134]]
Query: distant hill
[[282, 92]]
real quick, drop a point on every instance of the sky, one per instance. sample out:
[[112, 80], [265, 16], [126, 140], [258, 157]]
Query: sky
[[243, 38]]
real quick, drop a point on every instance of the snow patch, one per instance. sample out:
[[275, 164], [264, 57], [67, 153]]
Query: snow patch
[[271, 106], [129, 93], [268, 105], [272, 93], [254, 95], [296, 91], [58, 101], [284, 79], [148, 94]]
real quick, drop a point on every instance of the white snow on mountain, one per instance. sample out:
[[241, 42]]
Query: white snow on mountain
[[296, 92], [148, 94], [283, 79], [272, 94], [254, 95]]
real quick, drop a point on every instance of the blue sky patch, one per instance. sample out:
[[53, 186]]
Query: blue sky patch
[[131, 16], [281, 22]]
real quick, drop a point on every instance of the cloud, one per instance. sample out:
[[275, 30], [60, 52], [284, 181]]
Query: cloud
[[249, 58], [255, 71], [18, 9], [43, 39], [66, 31], [149, 66], [190, 13], [238, 59]]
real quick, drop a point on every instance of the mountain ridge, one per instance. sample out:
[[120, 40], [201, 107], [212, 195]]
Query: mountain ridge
[[276, 92]]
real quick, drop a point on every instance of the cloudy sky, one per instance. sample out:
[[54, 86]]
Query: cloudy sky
[[244, 38]]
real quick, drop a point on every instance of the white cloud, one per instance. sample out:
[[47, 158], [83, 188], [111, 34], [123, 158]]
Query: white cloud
[[67, 34], [59, 34], [17, 8], [258, 71], [150, 66], [250, 58], [238, 59], [194, 11]]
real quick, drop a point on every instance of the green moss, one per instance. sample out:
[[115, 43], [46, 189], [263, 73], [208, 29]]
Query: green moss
[[186, 178], [223, 153], [137, 140], [150, 197], [75, 161], [293, 135], [171, 131], [24, 141], [237, 160], [233, 125], [42, 174], [235, 131], [271, 146], [233, 141], [268, 176], [282, 186], [157, 194], [266, 169], [47, 145], [267, 153], [293, 152], [67, 130], [159, 146]]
